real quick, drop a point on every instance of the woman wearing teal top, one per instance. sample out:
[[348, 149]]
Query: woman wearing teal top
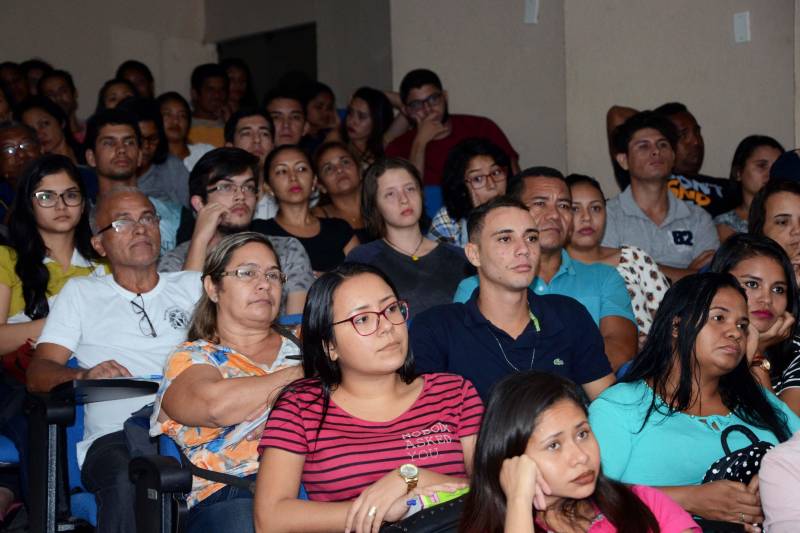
[[662, 424]]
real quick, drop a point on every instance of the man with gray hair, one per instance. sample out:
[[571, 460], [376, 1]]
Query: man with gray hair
[[148, 314]]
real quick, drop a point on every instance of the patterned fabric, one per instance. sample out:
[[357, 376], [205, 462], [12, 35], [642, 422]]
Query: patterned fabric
[[645, 282], [730, 218], [221, 449], [790, 379], [344, 455], [445, 229]]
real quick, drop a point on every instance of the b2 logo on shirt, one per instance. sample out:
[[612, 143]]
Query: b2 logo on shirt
[[684, 238]]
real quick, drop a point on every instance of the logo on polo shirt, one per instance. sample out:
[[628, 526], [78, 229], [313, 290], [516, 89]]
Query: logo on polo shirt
[[684, 238], [177, 317]]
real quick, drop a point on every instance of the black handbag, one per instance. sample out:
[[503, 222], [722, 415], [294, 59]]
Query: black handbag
[[740, 465], [441, 518]]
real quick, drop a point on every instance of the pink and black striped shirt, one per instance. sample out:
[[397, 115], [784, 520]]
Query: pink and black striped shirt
[[349, 454]]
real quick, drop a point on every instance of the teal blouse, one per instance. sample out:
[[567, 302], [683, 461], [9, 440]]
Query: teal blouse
[[670, 450]]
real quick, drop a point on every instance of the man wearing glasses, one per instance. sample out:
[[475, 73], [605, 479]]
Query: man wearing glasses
[[121, 325], [435, 130], [505, 326], [18, 146]]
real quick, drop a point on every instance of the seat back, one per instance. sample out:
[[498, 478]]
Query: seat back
[[433, 200], [82, 503]]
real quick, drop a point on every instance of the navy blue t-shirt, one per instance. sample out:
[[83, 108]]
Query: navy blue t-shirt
[[457, 338]]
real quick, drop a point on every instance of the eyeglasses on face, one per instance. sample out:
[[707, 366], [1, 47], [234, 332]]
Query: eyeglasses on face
[[126, 225], [432, 100], [479, 182], [249, 275], [12, 150], [229, 188], [367, 323], [71, 198]]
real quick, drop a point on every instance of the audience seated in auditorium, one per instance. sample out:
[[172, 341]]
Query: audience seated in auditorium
[[113, 141], [51, 126], [139, 75], [209, 98], [12, 78], [598, 287], [223, 189], [645, 282], [240, 84], [425, 272], [505, 326], [148, 314], [176, 116], [661, 426], [537, 468], [476, 171], [365, 130], [775, 213], [159, 172], [765, 272], [113, 92], [18, 147], [339, 179], [680, 236], [58, 86], [218, 386], [288, 115], [412, 432], [750, 167], [291, 178], [436, 131], [252, 130], [33, 70]]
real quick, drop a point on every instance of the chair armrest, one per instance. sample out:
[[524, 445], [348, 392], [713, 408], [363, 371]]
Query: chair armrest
[[716, 526], [163, 474]]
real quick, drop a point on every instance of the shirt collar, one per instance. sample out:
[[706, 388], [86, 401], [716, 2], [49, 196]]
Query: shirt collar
[[77, 260], [548, 321]]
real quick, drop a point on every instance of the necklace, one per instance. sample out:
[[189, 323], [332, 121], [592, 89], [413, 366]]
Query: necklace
[[414, 256], [509, 363]]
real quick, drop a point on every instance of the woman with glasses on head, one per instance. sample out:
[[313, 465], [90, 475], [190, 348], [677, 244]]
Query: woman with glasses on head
[[340, 184], [219, 385], [425, 271], [476, 171], [291, 178], [361, 431]]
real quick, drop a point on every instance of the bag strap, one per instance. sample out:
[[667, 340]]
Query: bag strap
[[287, 333], [744, 430], [217, 477]]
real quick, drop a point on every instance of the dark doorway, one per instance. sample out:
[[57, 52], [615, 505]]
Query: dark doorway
[[273, 54]]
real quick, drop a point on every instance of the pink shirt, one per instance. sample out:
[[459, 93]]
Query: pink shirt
[[779, 483], [348, 454]]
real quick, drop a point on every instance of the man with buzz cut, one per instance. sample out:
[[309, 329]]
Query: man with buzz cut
[[505, 327]]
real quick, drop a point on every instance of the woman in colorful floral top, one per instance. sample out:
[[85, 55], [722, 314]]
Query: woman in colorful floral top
[[218, 386]]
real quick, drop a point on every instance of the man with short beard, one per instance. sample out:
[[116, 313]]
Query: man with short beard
[[223, 193], [113, 141]]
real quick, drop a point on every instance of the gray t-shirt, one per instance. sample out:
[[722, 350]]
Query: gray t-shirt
[[291, 254], [687, 231], [168, 180]]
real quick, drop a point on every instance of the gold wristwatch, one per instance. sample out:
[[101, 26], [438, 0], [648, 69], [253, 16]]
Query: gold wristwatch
[[410, 474]]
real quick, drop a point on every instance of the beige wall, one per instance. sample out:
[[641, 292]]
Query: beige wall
[[91, 38], [647, 52], [492, 64], [353, 45]]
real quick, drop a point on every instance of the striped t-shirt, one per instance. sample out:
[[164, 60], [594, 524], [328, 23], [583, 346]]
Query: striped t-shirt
[[350, 454]]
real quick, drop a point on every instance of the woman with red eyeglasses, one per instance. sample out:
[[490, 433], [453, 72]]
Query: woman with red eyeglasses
[[361, 431]]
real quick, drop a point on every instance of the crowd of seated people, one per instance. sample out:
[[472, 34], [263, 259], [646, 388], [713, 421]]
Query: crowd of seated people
[[327, 345]]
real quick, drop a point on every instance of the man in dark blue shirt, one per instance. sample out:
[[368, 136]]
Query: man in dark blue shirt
[[506, 327]]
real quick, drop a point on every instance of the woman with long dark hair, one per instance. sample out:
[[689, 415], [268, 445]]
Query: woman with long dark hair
[[661, 426], [775, 213], [51, 126], [537, 469], [361, 431], [750, 167], [369, 116], [765, 272], [113, 92], [50, 243], [240, 84], [476, 171], [177, 118], [340, 183]]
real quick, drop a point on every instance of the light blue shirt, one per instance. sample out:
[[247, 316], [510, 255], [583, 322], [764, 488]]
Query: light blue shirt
[[598, 287], [671, 450]]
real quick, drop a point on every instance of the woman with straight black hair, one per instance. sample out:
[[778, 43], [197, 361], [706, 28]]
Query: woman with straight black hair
[[537, 468], [775, 213], [661, 425], [476, 171], [369, 116], [51, 125], [113, 92], [764, 271], [361, 431], [240, 84]]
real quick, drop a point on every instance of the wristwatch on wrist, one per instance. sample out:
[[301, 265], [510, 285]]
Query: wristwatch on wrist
[[410, 474]]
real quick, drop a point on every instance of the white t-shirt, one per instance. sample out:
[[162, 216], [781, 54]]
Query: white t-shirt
[[95, 319]]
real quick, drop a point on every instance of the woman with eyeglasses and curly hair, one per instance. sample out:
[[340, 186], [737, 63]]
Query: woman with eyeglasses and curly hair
[[361, 431]]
